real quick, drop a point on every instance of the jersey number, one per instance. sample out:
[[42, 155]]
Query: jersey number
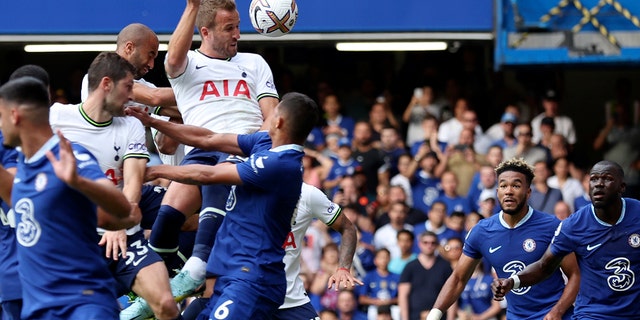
[[111, 175], [222, 312], [140, 253]]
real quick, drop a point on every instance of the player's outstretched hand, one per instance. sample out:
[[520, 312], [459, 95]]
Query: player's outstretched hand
[[65, 167], [343, 277], [140, 114], [500, 287], [115, 242]]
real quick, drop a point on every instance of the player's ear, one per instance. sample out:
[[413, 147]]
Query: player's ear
[[129, 47], [106, 83]]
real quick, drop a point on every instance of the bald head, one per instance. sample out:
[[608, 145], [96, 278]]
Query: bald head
[[136, 33]]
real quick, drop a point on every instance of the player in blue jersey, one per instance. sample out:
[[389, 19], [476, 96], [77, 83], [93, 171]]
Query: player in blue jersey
[[10, 286], [61, 269], [509, 241], [260, 207], [605, 237]]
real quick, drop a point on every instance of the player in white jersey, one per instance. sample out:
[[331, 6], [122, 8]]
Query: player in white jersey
[[215, 88], [119, 144]]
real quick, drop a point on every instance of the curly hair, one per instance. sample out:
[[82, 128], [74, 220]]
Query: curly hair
[[516, 165]]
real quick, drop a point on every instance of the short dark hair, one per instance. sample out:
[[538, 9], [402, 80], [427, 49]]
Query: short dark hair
[[303, 110], [517, 165], [111, 65], [31, 70], [26, 91], [407, 232]]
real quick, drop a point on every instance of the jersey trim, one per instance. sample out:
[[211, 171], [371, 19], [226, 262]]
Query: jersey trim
[[335, 217], [267, 94], [91, 121], [136, 155]]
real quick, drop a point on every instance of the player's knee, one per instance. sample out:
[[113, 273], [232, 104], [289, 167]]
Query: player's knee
[[165, 308]]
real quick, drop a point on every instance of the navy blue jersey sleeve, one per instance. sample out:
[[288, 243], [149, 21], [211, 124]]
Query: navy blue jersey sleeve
[[254, 142], [261, 171], [562, 244], [9, 157], [472, 243]]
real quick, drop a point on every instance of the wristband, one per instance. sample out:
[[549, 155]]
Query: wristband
[[516, 281], [434, 314], [345, 269], [156, 111]]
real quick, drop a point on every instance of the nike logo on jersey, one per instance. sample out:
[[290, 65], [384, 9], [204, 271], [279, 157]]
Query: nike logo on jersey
[[492, 250], [200, 67], [590, 247]]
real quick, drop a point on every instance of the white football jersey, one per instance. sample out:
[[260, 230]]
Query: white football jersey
[[313, 204], [110, 142], [222, 95]]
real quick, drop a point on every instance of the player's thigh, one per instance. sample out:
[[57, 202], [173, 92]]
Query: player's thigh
[[235, 299], [139, 256], [152, 283], [11, 309], [183, 197], [303, 312], [93, 312]]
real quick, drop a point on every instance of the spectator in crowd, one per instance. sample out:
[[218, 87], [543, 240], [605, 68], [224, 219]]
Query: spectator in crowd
[[476, 300], [543, 197], [371, 159], [380, 117], [391, 149], [405, 243], [378, 207], [449, 131], [401, 180], [580, 202], [488, 203], [488, 181], [481, 142], [464, 161], [321, 296], [452, 251], [496, 131], [345, 165], [563, 124], [380, 286], [424, 173], [347, 306], [436, 224], [562, 210], [525, 148], [471, 220], [414, 216], [422, 279], [547, 129], [332, 145], [507, 125], [386, 236], [336, 122], [420, 106], [563, 181], [430, 139], [349, 195], [316, 167], [558, 147], [328, 314], [450, 195]]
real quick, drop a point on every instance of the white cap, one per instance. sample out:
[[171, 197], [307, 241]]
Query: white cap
[[487, 194]]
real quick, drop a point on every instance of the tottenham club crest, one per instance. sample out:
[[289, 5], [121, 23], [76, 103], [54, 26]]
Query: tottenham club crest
[[529, 245]]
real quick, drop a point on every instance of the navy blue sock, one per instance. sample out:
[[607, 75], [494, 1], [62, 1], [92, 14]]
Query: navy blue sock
[[166, 230], [208, 225]]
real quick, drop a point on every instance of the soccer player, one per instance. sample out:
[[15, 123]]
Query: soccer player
[[509, 241], [63, 275], [219, 89], [10, 286], [260, 206], [119, 143], [605, 239]]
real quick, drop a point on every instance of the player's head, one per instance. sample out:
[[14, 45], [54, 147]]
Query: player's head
[[32, 70], [112, 76], [514, 185], [22, 100], [139, 45], [606, 184], [218, 22], [296, 114]]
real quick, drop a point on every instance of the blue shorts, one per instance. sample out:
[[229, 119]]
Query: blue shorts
[[82, 311], [11, 309], [303, 312], [150, 202], [241, 299], [125, 270]]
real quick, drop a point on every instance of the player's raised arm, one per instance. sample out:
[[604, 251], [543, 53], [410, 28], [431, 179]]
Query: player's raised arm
[[198, 174], [198, 137], [181, 39]]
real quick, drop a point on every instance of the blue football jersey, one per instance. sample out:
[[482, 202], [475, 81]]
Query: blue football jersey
[[10, 286], [425, 190], [259, 213], [609, 260], [60, 261], [509, 250]]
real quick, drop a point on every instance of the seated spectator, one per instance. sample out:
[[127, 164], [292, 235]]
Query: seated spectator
[[425, 179], [507, 138], [345, 165], [487, 182], [436, 224], [562, 210], [380, 286], [563, 124], [476, 300], [452, 251], [547, 128], [543, 198], [420, 107], [562, 180], [525, 148], [496, 131], [381, 117], [488, 203], [450, 195], [464, 161], [321, 296], [371, 159], [347, 306], [430, 129], [401, 179], [336, 122], [414, 216], [405, 243], [386, 236], [449, 131], [584, 200], [391, 149]]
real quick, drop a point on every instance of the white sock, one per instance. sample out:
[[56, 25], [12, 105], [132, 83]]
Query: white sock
[[196, 267]]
